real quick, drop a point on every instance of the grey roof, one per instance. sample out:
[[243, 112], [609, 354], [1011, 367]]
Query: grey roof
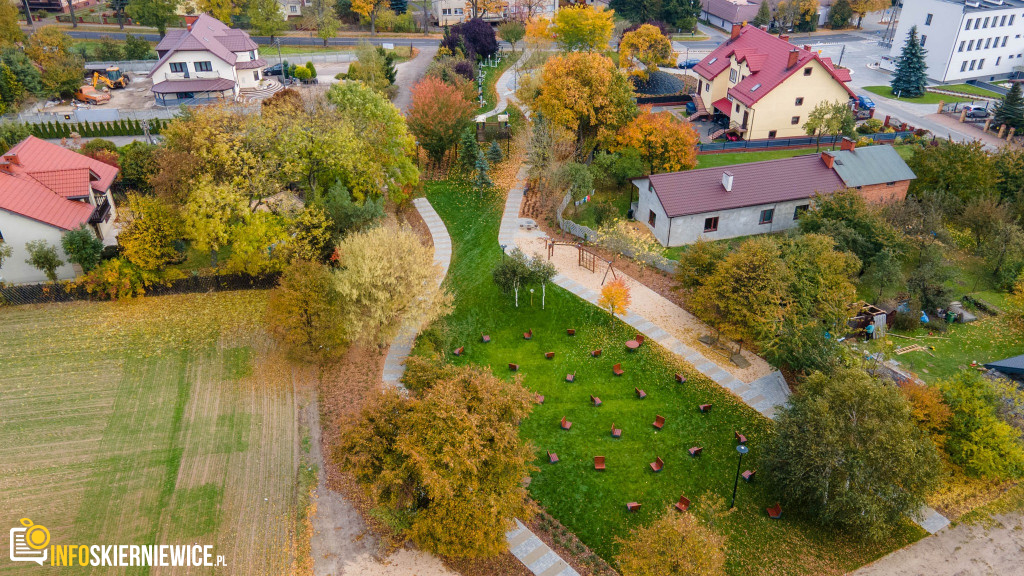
[[869, 165], [1013, 365], [193, 85]]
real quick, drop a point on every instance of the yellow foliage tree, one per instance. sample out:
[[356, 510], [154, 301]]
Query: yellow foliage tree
[[1015, 304], [222, 10], [480, 8], [538, 32], [585, 93], [665, 143], [370, 9], [615, 296], [303, 313], [583, 28], [148, 239], [673, 544], [211, 212], [647, 46], [862, 7]]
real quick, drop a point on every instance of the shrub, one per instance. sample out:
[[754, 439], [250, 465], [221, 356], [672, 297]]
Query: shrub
[[906, 321], [978, 439], [114, 279], [82, 247], [871, 126]]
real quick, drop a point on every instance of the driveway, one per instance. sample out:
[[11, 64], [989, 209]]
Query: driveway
[[409, 73]]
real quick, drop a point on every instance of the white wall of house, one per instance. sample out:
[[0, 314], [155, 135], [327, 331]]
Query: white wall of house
[[716, 20], [18, 230], [248, 78], [188, 58]]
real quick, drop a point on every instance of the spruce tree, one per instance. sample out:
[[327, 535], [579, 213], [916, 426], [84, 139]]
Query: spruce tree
[[1011, 110], [910, 79], [763, 16], [482, 182], [494, 154], [468, 150]]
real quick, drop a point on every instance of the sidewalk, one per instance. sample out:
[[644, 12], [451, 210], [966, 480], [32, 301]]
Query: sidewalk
[[506, 86]]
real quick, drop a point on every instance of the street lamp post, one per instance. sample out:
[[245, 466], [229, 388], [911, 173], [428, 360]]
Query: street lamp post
[[742, 449]]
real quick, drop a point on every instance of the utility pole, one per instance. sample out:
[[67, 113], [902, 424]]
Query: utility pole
[[28, 15]]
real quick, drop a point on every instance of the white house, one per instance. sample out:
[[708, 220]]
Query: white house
[[46, 190], [966, 39], [292, 8], [207, 61]]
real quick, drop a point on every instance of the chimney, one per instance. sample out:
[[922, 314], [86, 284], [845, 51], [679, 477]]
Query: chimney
[[189, 21], [735, 32], [847, 144], [727, 181], [12, 158], [807, 47], [827, 159], [784, 37], [794, 55]]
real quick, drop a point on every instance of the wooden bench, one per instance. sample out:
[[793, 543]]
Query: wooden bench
[[680, 378], [748, 475], [485, 338], [740, 438], [598, 462], [595, 400], [570, 377], [633, 506], [595, 353], [565, 424], [552, 457], [460, 350], [696, 451], [684, 504], [513, 367], [549, 355], [658, 464], [704, 408], [616, 432], [538, 398], [571, 332], [775, 512], [659, 422], [640, 393], [528, 334], [639, 338], [617, 370]]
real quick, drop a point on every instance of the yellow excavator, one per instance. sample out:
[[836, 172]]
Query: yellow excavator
[[111, 77]]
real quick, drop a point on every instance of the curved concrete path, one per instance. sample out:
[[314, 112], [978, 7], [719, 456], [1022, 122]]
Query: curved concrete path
[[506, 87]]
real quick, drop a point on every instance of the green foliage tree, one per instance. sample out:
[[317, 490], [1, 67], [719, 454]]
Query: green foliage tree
[[148, 239], [138, 165], [847, 449], [763, 17], [681, 13], [855, 226], [326, 19], [136, 47], [673, 544], [374, 68], [266, 17], [884, 271], [303, 312], [156, 13], [829, 118], [615, 169], [910, 78], [43, 256], [927, 281], [978, 439], [1010, 110], [482, 182], [469, 149], [449, 462], [637, 10], [26, 73], [512, 273], [5, 254], [953, 173], [108, 50], [12, 91], [512, 32], [699, 262], [346, 214], [839, 14], [494, 154], [82, 247]]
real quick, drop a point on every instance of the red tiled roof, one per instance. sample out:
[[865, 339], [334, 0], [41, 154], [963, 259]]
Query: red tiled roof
[[723, 105], [766, 56], [754, 183], [38, 178], [207, 35]]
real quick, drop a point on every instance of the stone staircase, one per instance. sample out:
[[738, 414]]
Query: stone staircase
[[269, 88]]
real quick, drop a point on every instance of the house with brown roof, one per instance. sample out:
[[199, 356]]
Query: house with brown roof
[[725, 13], [764, 87], [46, 190], [763, 197], [208, 61]]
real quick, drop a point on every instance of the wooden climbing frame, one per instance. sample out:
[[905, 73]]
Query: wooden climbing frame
[[587, 259]]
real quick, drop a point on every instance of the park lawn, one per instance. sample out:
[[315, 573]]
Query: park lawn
[[927, 98], [969, 89], [163, 420], [591, 503]]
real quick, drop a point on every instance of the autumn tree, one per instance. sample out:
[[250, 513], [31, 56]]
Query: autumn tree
[[978, 439], [585, 93], [615, 297], [480, 8], [438, 115], [312, 234], [148, 239], [825, 456], [449, 462], [303, 312], [211, 212], [43, 256], [582, 28], [258, 244], [370, 9], [665, 143], [10, 31], [626, 238], [829, 118], [384, 276], [643, 49], [222, 10], [673, 544], [699, 262], [863, 7]]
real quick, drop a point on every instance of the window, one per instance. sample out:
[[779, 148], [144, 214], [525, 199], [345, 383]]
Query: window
[[973, 62], [732, 75], [800, 101], [252, 54], [1005, 38], [987, 18], [204, 66], [928, 20], [890, 183], [1, 236], [766, 216], [981, 64], [458, 11], [707, 87], [998, 60], [800, 210], [977, 23], [652, 218], [256, 75], [737, 107], [1011, 19], [968, 27], [446, 11], [988, 42], [924, 38], [963, 66], [962, 43], [1002, 22], [293, 9], [794, 120], [711, 224], [970, 46], [178, 68], [772, 133], [807, 71]]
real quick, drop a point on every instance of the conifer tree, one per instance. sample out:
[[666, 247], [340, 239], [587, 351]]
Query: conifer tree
[[494, 154], [1011, 110], [763, 16], [468, 150], [910, 78]]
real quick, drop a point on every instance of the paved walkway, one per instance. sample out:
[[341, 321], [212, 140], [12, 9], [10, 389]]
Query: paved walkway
[[506, 87], [408, 73], [394, 362], [535, 554]]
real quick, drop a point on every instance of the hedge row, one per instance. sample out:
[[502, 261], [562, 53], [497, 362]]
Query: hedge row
[[95, 129]]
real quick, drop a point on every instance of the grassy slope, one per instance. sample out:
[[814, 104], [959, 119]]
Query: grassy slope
[[927, 98], [145, 422], [969, 89], [590, 503]]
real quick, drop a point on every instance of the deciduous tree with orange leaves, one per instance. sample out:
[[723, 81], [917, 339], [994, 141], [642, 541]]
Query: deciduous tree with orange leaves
[[665, 143], [646, 45], [438, 115], [615, 297]]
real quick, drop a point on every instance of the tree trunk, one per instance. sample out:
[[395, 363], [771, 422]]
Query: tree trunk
[[71, 7], [373, 23], [543, 294], [28, 14], [517, 296]]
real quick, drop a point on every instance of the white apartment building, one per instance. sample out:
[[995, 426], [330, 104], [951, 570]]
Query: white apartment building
[[966, 39]]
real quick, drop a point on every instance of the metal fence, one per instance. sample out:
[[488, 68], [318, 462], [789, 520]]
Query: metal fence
[[794, 142], [131, 66], [69, 291]]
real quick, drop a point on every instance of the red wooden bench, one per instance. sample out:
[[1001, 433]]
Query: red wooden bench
[[616, 432], [740, 438], [684, 504], [485, 338], [617, 370], [775, 512], [633, 506], [680, 378], [748, 475], [598, 462], [696, 451], [639, 338], [549, 355], [552, 457], [658, 464], [513, 367], [640, 393], [595, 353], [571, 331], [596, 401], [566, 424], [705, 407], [460, 350], [538, 398], [570, 377], [659, 422], [528, 334]]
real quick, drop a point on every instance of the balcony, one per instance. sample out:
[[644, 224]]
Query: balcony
[[192, 75], [101, 213]]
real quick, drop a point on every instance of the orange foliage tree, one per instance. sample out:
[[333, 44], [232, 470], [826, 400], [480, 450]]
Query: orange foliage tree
[[438, 115], [586, 93], [665, 143], [615, 296]]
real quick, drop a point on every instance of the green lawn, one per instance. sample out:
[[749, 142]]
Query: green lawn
[[969, 89], [715, 160], [928, 98], [491, 75], [591, 503], [155, 421]]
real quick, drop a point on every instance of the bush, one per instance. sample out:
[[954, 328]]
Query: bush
[[870, 126], [82, 247], [978, 439], [114, 279], [906, 321]]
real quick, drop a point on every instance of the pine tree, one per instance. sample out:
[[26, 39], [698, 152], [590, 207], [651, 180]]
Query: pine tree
[[482, 182], [763, 16], [1011, 110], [910, 79], [468, 150], [494, 154], [399, 6]]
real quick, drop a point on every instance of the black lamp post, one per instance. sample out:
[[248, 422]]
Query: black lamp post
[[742, 449], [503, 252]]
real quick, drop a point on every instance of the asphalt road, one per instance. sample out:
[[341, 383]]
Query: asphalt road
[[265, 40]]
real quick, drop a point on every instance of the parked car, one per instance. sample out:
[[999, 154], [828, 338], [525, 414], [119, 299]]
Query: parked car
[[275, 70], [976, 112], [865, 103], [687, 64], [91, 95]]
